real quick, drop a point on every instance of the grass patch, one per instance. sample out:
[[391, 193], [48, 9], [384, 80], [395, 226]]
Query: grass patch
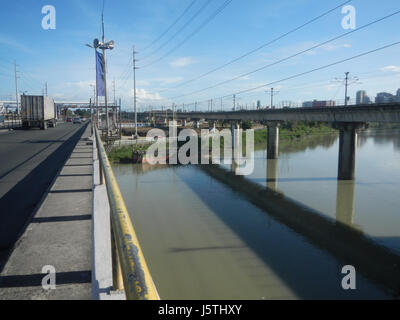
[[124, 154]]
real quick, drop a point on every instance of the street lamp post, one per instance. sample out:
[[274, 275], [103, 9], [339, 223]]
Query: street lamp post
[[103, 46]]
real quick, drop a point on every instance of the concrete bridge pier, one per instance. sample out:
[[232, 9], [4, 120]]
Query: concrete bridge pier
[[197, 124], [347, 149], [273, 140], [235, 130]]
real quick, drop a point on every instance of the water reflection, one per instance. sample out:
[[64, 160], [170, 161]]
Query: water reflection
[[278, 233], [381, 137], [272, 174], [345, 202], [338, 237], [344, 196]]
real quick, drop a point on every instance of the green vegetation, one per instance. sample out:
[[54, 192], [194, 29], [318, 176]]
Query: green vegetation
[[124, 153], [246, 125], [289, 132], [374, 125], [82, 113]]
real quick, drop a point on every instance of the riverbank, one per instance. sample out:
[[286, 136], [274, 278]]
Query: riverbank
[[124, 154], [289, 132]]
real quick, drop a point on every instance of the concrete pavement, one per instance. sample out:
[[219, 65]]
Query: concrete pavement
[[30, 159], [59, 235]]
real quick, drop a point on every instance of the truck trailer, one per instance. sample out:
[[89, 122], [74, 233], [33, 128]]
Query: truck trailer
[[37, 111]]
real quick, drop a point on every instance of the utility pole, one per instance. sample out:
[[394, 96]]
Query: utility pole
[[347, 82], [234, 102], [273, 93], [134, 90], [16, 85], [272, 98], [221, 105], [195, 106], [45, 89], [120, 118], [93, 103], [105, 75], [211, 104], [115, 101], [346, 85]]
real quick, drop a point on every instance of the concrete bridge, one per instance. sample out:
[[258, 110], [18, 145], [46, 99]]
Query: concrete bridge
[[348, 120]]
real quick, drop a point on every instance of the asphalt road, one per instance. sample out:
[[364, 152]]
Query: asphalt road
[[29, 161]]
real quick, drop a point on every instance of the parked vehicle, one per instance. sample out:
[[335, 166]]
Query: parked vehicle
[[37, 111], [69, 119], [77, 121]]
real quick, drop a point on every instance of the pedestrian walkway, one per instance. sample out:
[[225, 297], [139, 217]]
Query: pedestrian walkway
[[59, 235]]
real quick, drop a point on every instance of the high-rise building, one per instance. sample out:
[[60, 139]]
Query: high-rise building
[[362, 97], [385, 97], [398, 95]]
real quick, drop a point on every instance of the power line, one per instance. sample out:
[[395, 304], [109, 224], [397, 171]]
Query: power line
[[6, 75], [310, 71], [180, 30], [30, 79], [260, 47], [205, 23], [288, 58], [300, 74], [171, 26]]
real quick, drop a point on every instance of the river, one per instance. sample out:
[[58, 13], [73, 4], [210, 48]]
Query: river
[[284, 232]]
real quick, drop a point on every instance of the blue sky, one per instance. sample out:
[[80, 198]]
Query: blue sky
[[60, 57]]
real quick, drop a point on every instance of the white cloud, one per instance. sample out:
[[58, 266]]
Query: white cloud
[[332, 47], [182, 62], [143, 94], [81, 84], [391, 69], [9, 42], [160, 81]]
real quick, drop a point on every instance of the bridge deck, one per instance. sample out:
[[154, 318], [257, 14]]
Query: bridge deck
[[59, 235], [388, 113]]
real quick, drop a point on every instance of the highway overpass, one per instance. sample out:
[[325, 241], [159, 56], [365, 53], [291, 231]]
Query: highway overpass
[[347, 119]]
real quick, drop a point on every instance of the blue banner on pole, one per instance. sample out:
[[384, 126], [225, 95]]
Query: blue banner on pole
[[100, 74]]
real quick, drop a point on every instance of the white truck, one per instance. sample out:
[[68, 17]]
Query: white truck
[[38, 111]]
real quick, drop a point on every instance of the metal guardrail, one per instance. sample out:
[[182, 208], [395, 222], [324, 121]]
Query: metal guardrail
[[130, 271]]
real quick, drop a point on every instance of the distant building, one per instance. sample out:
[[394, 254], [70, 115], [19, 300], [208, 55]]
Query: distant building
[[307, 104], [385, 97], [398, 95], [319, 104], [362, 98]]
